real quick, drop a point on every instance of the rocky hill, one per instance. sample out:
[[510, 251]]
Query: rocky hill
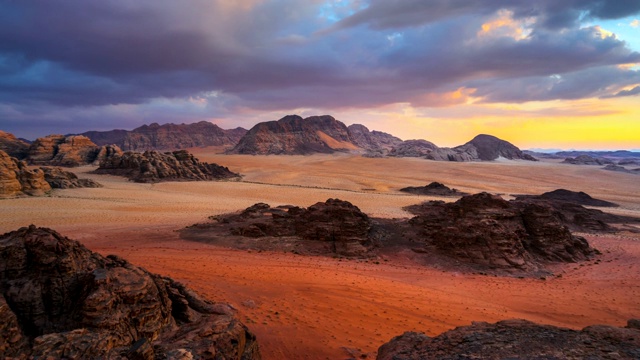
[[517, 339], [154, 166], [587, 160], [60, 300], [16, 179], [168, 136], [372, 140], [413, 148], [73, 150], [293, 135], [13, 146], [59, 178], [576, 197], [433, 189], [480, 148]]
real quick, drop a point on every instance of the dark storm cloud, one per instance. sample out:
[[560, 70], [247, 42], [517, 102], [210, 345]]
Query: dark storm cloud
[[75, 62]]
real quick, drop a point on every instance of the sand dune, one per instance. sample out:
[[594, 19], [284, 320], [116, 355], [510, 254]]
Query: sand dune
[[317, 308]]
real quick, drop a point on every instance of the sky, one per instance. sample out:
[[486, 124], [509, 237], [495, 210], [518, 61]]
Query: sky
[[541, 74]]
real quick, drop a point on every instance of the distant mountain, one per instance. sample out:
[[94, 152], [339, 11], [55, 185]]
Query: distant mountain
[[372, 140], [413, 148], [293, 135], [480, 148], [168, 136]]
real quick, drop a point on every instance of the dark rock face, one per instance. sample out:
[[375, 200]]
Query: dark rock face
[[434, 188], [293, 135], [154, 166], [587, 160], [75, 150], [168, 136], [516, 339], [62, 179], [481, 148], [372, 140], [326, 228], [489, 232], [576, 197], [16, 179], [13, 146], [60, 300]]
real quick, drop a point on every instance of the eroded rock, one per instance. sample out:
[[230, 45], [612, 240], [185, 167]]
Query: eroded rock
[[434, 189], [17, 179]]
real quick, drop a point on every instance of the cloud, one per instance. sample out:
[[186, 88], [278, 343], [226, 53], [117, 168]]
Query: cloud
[[622, 93], [635, 23]]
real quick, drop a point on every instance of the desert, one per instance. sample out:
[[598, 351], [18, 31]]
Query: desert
[[329, 308]]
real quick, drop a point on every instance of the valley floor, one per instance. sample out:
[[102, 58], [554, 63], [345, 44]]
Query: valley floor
[[325, 308]]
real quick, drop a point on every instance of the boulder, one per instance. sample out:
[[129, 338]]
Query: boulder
[[70, 302], [516, 339]]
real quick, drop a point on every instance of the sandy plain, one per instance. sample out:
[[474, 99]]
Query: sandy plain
[[324, 308]]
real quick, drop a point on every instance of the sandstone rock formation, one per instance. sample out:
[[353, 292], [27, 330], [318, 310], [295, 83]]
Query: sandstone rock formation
[[13, 146], [60, 150], [16, 179], [168, 136], [62, 179], [587, 160], [154, 166], [434, 189], [576, 197], [293, 135], [334, 227], [372, 141], [516, 339], [481, 148], [60, 300], [413, 148], [488, 232]]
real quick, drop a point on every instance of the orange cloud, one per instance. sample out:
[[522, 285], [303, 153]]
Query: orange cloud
[[505, 26], [461, 96]]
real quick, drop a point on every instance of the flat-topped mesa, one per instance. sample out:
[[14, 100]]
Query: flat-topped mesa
[[168, 136], [293, 135], [73, 150], [17, 179], [59, 300], [333, 227], [488, 232], [517, 339], [13, 146], [154, 166]]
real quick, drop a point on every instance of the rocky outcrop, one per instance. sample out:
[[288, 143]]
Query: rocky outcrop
[[481, 148], [413, 148], [60, 300], [564, 195], [17, 179], [622, 169], [334, 227], [105, 152], [488, 232], [372, 141], [433, 189], [293, 135], [168, 136], [62, 179], [154, 166], [13, 146], [516, 339], [587, 160], [60, 150]]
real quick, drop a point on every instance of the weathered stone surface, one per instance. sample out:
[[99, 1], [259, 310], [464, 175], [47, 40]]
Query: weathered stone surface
[[13, 146], [154, 166], [105, 152], [413, 148], [435, 189], [492, 233], [73, 303], [516, 339], [325, 228], [168, 136], [293, 135], [563, 195], [62, 179], [372, 140], [16, 179], [587, 160], [60, 150]]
